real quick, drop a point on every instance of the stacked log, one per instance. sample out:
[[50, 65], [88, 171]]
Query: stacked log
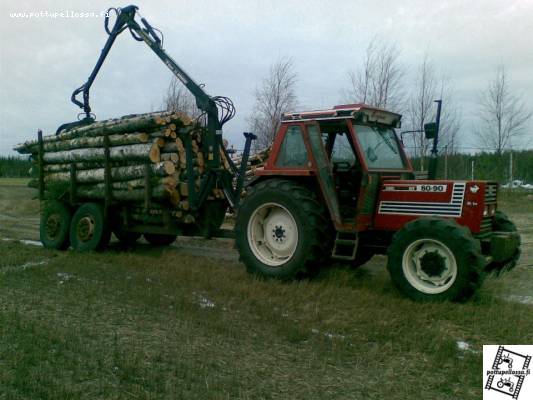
[[128, 148]]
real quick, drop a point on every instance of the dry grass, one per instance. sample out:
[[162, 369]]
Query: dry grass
[[155, 323], [147, 324]]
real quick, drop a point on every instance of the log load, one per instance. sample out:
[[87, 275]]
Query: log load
[[145, 155]]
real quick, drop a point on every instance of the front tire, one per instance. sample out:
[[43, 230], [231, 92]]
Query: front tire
[[435, 260], [89, 230], [502, 223], [281, 230]]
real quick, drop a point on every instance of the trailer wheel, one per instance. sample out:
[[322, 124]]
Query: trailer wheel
[[435, 260], [159, 240], [281, 230], [88, 229], [502, 223], [54, 226], [125, 237]]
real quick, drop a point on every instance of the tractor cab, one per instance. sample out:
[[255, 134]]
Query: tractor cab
[[350, 148], [338, 184]]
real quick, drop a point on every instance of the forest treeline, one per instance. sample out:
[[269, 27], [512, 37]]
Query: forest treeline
[[487, 166]]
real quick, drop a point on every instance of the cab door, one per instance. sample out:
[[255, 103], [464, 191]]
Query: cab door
[[323, 172]]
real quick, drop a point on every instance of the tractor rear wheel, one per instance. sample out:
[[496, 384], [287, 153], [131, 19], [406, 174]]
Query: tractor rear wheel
[[88, 228], [55, 225], [281, 230], [435, 260]]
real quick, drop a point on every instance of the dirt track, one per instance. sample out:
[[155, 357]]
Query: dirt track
[[19, 221]]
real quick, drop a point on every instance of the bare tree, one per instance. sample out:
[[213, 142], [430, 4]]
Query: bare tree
[[503, 115], [178, 98], [427, 88], [275, 96], [378, 80]]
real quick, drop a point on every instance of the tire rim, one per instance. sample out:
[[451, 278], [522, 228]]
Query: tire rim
[[272, 234], [85, 228], [53, 226], [429, 266]]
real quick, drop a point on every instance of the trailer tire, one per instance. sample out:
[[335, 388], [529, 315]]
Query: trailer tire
[[88, 230], [433, 259], [502, 223], [299, 225], [156, 239], [55, 225]]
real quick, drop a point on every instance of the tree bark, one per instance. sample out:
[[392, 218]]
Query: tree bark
[[98, 192], [141, 152], [117, 173], [134, 123], [88, 142]]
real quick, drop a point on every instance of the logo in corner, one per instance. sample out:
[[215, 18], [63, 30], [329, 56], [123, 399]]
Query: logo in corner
[[507, 372]]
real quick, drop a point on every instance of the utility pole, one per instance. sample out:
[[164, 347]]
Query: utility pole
[[511, 168], [472, 170]]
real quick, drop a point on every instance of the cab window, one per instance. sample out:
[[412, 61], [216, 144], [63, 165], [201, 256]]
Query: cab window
[[342, 150], [293, 152]]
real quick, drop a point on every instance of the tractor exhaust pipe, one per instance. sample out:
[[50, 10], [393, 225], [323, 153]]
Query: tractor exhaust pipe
[[432, 131]]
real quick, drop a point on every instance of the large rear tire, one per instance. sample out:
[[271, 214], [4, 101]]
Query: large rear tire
[[281, 230], [432, 259], [55, 225], [88, 229]]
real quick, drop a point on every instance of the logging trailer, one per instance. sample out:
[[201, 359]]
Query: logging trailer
[[337, 184]]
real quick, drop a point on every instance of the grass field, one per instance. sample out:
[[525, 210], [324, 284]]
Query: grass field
[[188, 322]]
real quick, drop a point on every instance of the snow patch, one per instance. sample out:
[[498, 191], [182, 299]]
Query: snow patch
[[329, 335], [24, 241], [29, 264], [463, 346], [206, 303], [64, 277], [520, 299]]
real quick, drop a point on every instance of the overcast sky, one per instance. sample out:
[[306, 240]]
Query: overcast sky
[[229, 46]]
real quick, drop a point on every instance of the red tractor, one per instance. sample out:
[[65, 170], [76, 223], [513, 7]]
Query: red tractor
[[338, 184]]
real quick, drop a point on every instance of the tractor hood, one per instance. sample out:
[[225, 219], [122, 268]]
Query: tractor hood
[[472, 203]]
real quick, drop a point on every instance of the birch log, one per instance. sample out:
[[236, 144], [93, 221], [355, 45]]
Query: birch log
[[141, 152], [89, 142], [117, 173]]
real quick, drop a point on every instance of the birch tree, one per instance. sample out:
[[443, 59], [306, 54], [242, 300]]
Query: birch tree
[[275, 96]]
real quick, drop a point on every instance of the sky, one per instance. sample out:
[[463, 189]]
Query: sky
[[229, 46]]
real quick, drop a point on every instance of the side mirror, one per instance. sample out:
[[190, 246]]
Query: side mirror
[[430, 129]]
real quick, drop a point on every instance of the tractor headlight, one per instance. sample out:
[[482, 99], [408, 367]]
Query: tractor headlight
[[486, 211]]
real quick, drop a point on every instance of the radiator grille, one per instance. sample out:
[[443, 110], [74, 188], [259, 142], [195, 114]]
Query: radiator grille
[[486, 225], [491, 193]]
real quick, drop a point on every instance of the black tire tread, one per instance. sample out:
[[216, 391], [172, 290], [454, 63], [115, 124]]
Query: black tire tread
[[318, 245], [456, 232]]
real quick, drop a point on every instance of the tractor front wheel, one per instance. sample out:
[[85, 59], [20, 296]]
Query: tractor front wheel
[[435, 260], [281, 230], [502, 223]]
